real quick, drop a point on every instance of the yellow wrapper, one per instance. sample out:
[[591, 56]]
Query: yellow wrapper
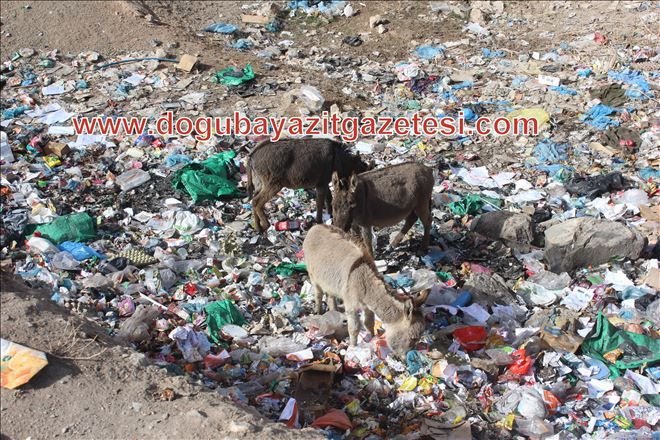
[[409, 384], [52, 161], [18, 364]]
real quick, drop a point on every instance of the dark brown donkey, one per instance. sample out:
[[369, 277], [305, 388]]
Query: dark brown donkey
[[296, 163], [382, 198]]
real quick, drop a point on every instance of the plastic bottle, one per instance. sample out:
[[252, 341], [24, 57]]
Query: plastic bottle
[[464, 299]]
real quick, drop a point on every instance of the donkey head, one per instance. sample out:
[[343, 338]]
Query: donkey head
[[344, 200], [401, 336]]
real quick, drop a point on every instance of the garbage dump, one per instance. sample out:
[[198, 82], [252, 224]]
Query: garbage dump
[[540, 314]]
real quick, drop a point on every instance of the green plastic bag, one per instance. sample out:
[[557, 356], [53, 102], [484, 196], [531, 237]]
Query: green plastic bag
[[288, 269], [228, 76], [72, 227], [471, 204], [219, 314], [208, 179], [638, 350]]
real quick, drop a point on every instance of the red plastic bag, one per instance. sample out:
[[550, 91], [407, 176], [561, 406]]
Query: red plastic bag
[[521, 364], [471, 338], [335, 418]]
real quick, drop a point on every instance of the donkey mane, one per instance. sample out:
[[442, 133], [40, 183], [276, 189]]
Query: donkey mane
[[365, 258]]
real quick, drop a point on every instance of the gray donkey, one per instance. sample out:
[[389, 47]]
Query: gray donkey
[[296, 163], [384, 197], [341, 268]]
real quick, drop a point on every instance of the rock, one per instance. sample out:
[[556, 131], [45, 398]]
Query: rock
[[137, 359], [240, 427], [375, 20], [348, 11], [26, 52], [491, 289], [513, 228], [581, 242], [194, 414], [293, 53], [381, 29]]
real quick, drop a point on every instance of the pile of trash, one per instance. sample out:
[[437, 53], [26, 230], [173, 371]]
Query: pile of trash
[[543, 315]]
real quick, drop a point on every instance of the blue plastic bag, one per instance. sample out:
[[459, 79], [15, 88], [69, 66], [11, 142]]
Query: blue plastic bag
[[548, 151], [563, 90], [221, 28], [428, 52], [492, 53], [80, 252], [597, 116]]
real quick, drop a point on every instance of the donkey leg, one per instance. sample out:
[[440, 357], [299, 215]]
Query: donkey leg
[[410, 220], [319, 299], [353, 326], [424, 213], [369, 320], [367, 238], [332, 303], [328, 200], [321, 196], [259, 206]]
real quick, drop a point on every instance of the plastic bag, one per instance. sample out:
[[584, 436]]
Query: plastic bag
[[335, 418], [288, 269], [232, 77], [136, 328], [132, 179], [278, 346], [221, 28], [636, 350], [324, 325], [79, 251], [208, 179], [64, 261], [219, 314], [73, 227], [470, 205]]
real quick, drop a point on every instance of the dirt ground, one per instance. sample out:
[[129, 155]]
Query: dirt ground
[[93, 386], [119, 27]]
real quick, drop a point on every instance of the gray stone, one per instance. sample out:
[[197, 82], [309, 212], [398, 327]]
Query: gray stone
[[584, 241], [490, 289], [513, 228]]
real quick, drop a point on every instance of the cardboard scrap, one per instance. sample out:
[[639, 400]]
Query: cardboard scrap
[[187, 63], [255, 19], [314, 385], [59, 149]]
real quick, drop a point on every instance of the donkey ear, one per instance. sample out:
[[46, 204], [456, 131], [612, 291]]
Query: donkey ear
[[335, 180], [420, 299], [353, 184]]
